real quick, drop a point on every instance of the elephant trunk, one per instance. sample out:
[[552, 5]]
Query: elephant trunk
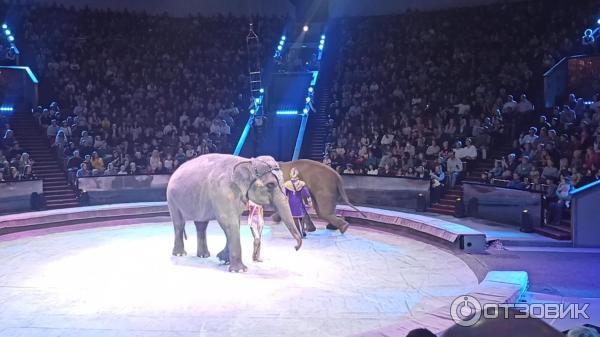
[[282, 208]]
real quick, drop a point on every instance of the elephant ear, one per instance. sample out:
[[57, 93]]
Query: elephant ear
[[242, 176]]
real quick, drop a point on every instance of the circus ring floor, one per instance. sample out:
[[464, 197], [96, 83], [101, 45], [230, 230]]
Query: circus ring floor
[[118, 279]]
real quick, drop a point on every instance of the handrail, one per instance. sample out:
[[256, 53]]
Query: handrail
[[566, 58], [585, 187]]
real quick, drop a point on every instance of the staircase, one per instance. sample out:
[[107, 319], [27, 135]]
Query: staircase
[[58, 193], [317, 128], [317, 124], [447, 202]]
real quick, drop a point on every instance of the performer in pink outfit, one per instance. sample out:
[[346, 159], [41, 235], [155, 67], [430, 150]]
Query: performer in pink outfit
[[256, 221]]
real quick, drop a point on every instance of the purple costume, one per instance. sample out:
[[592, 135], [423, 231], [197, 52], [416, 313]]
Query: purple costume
[[296, 190]]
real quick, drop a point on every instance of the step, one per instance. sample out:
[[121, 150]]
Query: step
[[65, 193], [441, 211], [553, 233], [56, 183], [443, 206], [65, 205], [559, 228], [57, 188]]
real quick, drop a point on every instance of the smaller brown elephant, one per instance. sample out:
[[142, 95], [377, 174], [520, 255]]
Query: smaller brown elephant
[[326, 187]]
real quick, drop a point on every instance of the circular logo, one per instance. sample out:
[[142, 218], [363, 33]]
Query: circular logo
[[465, 310]]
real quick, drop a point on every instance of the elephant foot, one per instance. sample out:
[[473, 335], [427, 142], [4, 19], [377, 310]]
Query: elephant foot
[[257, 259], [343, 228], [179, 251], [311, 228], [238, 268], [331, 227], [224, 256], [203, 255]]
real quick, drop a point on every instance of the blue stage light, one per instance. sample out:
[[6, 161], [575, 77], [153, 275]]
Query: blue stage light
[[257, 100], [598, 21], [11, 38], [4, 26], [283, 37], [311, 89], [320, 47], [262, 91], [252, 111], [7, 32], [307, 99], [322, 37], [279, 47], [305, 111], [6, 108], [287, 112], [281, 42]]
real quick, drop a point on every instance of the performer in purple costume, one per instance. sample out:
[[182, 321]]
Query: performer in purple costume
[[297, 192]]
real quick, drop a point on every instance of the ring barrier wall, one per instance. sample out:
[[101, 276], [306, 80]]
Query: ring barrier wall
[[16, 196], [124, 188], [502, 204], [361, 190], [385, 191]]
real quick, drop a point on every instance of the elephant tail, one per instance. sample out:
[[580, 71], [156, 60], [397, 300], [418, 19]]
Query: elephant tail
[[344, 196]]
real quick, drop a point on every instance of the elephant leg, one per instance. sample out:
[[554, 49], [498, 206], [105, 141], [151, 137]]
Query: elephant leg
[[201, 235], [178, 249], [232, 232], [224, 254], [335, 221], [179, 226]]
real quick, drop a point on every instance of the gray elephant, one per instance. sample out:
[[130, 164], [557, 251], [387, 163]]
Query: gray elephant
[[218, 187], [326, 187]]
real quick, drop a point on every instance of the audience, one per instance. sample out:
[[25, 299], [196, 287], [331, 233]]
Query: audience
[[402, 85], [140, 88]]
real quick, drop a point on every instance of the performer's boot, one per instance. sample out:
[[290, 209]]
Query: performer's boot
[[310, 226], [256, 253]]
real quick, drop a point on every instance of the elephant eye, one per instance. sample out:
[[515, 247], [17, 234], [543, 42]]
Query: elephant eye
[[271, 185]]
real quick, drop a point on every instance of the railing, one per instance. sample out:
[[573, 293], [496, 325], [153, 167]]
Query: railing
[[584, 215]]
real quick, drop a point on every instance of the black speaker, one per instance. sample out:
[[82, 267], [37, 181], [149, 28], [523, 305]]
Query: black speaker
[[421, 203], [37, 201], [473, 207], [526, 225], [459, 208]]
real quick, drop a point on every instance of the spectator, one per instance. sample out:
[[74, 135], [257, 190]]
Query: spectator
[[516, 182], [524, 168], [455, 168], [83, 171], [438, 179]]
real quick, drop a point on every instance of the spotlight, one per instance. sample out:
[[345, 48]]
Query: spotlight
[[307, 99], [257, 100], [283, 38], [4, 26], [7, 32], [252, 111], [320, 47], [305, 111], [305, 28], [281, 42], [322, 37], [11, 38], [311, 89], [598, 21], [279, 47], [262, 91]]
